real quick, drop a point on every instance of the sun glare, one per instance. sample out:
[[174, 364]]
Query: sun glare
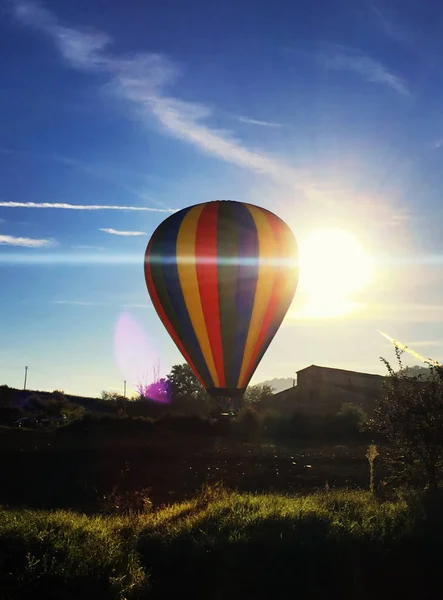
[[333, 267]]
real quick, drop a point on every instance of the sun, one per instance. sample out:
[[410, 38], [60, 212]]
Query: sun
[[333, 268]]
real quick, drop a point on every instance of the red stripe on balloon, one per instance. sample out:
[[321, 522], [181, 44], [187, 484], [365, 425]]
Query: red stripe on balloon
[[162, 314], [207, 276], [277, 291]]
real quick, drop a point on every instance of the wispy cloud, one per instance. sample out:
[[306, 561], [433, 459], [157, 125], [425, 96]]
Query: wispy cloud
[[70, 259], [118, 232], [249, 121], [76, 303], [89, 247], [142, 79], [391, 25], [65, 206], [81, 48], [437, 144], [10, 240], [369, 69], [88, 303], [185, 121], [383, 21], [147, 305], [107, 173]]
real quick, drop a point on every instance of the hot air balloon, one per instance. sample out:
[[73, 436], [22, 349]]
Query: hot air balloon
[[221, 276]]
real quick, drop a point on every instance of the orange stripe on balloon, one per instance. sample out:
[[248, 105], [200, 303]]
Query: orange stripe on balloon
[[187, 272], [162, 314], [207, 275]]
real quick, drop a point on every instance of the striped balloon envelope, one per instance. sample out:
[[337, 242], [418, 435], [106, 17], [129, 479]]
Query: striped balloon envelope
[[221, 276]]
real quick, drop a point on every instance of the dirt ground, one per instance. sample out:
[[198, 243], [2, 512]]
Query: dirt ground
[[77, 475]]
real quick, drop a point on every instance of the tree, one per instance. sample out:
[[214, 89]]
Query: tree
[[110, 396], [116, 400], [410, 416], [183, 383], [186, 392], [257, 393]]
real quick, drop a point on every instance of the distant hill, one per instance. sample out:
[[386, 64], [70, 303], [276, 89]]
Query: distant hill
[[19, 398], [417, 371], [279, 384]]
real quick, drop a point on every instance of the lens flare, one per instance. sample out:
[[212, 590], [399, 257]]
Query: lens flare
[[136, 356]]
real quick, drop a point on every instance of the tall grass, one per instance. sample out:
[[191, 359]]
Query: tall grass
[[224, 545]]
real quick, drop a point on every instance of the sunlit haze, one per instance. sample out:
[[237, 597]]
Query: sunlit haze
[[333, 267]]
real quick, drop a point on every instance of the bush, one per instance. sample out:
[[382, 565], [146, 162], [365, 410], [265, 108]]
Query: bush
[[72, 412], [59, 396], [410, 417], [352, 417], [6, 395], [9, 415], [92, 424], [146, 408]]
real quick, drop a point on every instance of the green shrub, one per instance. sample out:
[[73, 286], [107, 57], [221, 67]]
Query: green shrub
[[409, 415], [352, 417]]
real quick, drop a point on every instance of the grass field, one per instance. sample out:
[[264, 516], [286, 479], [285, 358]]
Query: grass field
[[342, 544], [109, 509]]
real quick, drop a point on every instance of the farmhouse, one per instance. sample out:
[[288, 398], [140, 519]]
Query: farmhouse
[[323, 390]]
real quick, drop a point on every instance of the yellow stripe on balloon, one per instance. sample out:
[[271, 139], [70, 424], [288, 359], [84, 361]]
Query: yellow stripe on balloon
[[265, 281], [187, 272]]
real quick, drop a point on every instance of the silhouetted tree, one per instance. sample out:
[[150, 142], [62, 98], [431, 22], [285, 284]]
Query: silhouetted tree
[[116, 400], [409, 415], [186, 392], [183, 383], [257, 393]]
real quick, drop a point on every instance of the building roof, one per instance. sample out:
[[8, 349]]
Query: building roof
[[339, 371]]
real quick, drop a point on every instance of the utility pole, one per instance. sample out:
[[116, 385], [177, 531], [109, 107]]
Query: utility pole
[[26, 376], [124, 393]]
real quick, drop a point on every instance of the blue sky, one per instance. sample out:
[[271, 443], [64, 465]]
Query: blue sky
[[113, 114]]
